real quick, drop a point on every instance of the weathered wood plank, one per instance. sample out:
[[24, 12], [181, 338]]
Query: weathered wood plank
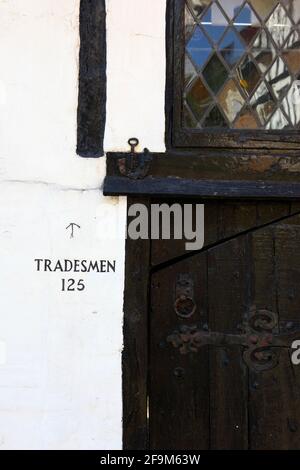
[[214, 189], [274, 395], [264, 409], [135, 353], [287, 252], [268, 212], [216, 164], [228, 304], [179, 389]]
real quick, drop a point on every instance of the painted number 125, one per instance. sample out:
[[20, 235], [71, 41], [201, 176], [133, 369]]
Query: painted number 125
[[70, 285]]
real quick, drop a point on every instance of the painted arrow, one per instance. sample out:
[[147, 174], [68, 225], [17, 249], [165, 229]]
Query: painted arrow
[[72, 226]]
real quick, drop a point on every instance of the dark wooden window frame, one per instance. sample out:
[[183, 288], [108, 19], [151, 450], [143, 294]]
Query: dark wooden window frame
[[249, 167], [184, 138]]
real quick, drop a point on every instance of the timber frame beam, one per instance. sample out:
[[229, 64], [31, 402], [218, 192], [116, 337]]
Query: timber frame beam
[[208, 173]]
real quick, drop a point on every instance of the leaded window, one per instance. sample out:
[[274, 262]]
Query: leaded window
[[242, 64]]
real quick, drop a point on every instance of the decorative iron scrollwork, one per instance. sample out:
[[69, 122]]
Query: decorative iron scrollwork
[[135, 165], [259, 337]]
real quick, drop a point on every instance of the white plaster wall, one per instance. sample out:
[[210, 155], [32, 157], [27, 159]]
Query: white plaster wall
[[136, 73], [60, 353]]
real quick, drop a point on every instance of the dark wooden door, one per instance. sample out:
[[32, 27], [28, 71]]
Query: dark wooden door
[[221, 323]]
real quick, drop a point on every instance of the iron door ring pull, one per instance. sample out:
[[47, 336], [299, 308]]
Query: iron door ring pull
[[185, 306]]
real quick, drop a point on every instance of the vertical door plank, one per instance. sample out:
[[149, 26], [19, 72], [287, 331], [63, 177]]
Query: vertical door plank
[[179, 394], [264, 387], [235, 218], [287, 244], [287, 251], [271, 212], [295, 207], [135, 353], [228, 303], [272, 407]]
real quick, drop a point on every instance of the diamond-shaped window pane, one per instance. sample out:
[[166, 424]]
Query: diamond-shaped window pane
[[199, 48], [277, 121], [232, 48], [263, 103], [279, 25], [293, 41], [214, 23], [292, 59], [215, 73], [291, 104], [246, 120], [247, 24], [279, 78], [189, 23], [293, 8], [189, 71], [249, 33], [263, 51], [215, 119], [189, 120], [198, 6], [249, 75], [263, 41], [198, 99], [244, 17], [264, 7], [231, 100], [232, 7], [291, 52]]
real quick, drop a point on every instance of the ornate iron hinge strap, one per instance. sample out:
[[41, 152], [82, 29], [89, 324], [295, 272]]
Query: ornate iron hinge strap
[[135, 165], [258, 336]]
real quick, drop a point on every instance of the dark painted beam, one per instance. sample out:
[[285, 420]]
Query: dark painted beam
[[212, 174], [173, 187], [91, 113]]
